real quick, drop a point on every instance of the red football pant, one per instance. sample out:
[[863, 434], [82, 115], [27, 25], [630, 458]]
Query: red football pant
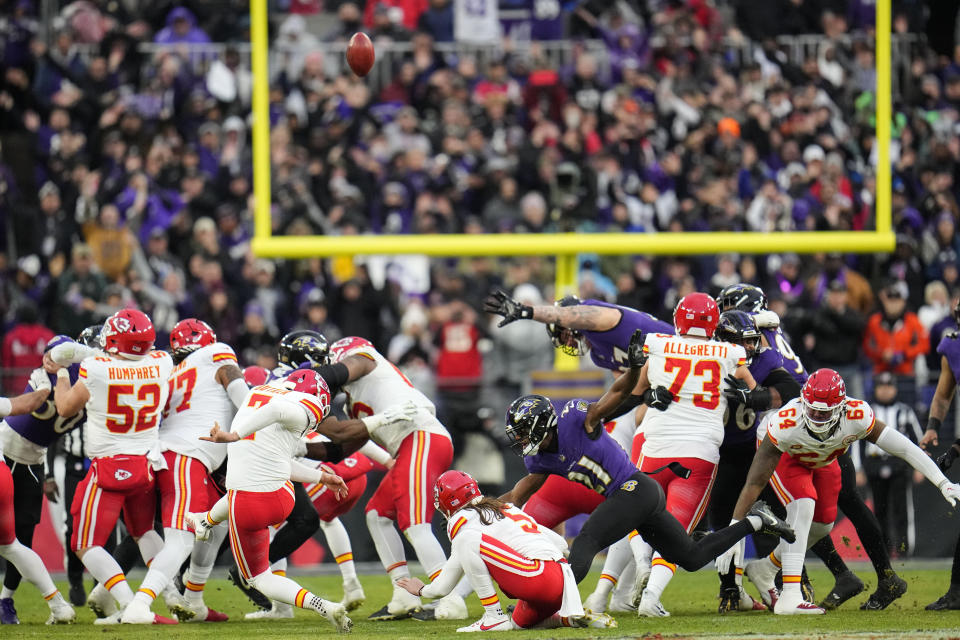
[[636, 452], [95, 511], [792, 481], [538, 597], [353, 469], [686, 499], [406, 492], [7, 525], [560, 499], [252, 514], [184, 486]]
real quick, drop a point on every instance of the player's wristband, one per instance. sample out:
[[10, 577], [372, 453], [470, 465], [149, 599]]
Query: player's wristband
[[934, 424], [63, 374]]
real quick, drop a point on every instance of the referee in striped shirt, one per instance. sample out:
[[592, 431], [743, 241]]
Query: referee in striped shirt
[[890, 478]]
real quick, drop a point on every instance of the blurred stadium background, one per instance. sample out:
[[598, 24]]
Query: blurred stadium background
[[127, 179]]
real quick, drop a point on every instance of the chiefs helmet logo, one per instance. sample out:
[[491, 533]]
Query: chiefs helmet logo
[[120, 324]]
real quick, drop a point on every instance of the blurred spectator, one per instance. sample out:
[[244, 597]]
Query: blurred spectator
[[936, 306], [79, 290], [894, 338], [181, 26], [890, 477], [860, 295], [519, 348], [837, 331], [459, 367], [314, 315], [112, 244], [22, 349], [255, 336]]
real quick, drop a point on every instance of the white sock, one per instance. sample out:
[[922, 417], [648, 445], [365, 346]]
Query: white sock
[[661, 572], [389, 545], [202, 559], [30, 566], [5, 593], [339, 542], [428, 549], [279, 568], [177, 545], [149, 544], [642, 552], [619, 555], [800, 516], [463, 588], [219, 511], [627, 578], [282, 589], [105, 569]]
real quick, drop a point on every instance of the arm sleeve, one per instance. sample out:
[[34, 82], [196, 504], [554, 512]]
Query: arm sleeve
[[237, 391], [277, 410], [335, 375], [300, 472], [5, 407], [449, 576], [895, 443], [781, 380], [375, 452]]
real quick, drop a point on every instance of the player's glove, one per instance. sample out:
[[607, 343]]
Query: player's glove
[[635, 355], [398, 413], [951, 491], [737, 392], [657, 398], [39, 380], [501, 304], [946, 459], [766, 319], [732, 557]]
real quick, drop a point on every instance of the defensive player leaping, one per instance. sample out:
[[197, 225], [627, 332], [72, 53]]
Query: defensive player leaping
[[576, 446], [797, 454]]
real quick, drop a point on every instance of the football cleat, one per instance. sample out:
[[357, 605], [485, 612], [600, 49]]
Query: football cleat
[[595, 603], [353, 595], [61, 613], [619, 604], [8, 613], [761, 573], [489, 623], [177, 604], [202, 613], [788, 605], [101, 602], [113, 618], [77, 595], [278, 611], [845, 587], [401, 606], [255, 596], [139, 613], [770, 523], [650, 607], [592, 621], [639, 584], [949, 600], [888, 589], [729, 599], [336, 614]]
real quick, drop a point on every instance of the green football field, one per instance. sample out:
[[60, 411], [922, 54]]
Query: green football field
[[690, 598]]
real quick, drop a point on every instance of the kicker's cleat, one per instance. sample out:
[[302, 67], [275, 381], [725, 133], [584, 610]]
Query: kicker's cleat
[[336, 614], [788, 605], [888, 590], [770, 524], [845, 587], [489, 623], [255, 596], [948, 601]]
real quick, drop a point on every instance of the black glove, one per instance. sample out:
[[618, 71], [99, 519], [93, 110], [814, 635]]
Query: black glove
[[501, 304], [737, 392], [635, 355], [945, 460], [659, 398]]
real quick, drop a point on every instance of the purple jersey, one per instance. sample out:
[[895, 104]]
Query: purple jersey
[[740, 423], [778, 342], [949, 348], [601, 464], [608, 349], [43, 427]]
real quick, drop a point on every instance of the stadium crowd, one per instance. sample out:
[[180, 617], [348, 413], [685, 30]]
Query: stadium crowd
[[125, 179]]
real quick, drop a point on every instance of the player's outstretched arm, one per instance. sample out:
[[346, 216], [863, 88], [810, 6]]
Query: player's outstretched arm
[[24, 403], [763, 465], [895, 443], [942, 397], [580, 316], [525, 487], [69, 399], [621, 389]]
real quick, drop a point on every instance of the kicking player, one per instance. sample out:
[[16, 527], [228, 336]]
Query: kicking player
[[575, 445], [745, 409], [797, 455], [266, 434], [124, 392], [494, 543], [949, 350], [19, 557], [890, 586], [422, 449]]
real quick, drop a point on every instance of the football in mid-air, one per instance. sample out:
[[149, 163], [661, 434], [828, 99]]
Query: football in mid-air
[[360, 54]]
